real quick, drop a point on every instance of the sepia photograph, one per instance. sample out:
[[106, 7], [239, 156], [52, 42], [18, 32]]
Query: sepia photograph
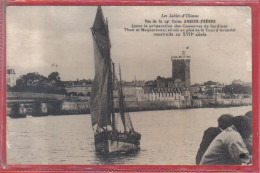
[[129, 85]]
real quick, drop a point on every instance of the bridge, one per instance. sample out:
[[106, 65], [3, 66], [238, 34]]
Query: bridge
[[21, 103]]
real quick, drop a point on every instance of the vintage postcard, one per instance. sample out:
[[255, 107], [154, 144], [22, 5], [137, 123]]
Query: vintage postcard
[[129, 85]]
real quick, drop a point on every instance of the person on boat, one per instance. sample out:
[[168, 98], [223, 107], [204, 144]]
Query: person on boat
[[229, 148], [224, 121], [248, 140]]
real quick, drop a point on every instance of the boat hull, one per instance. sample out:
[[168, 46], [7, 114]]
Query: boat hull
[[112, 142]]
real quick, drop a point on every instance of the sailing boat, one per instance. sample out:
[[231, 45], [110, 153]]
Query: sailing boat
[[108, 138]]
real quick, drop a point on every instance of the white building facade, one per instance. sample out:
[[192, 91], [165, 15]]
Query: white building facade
[[10, 77]]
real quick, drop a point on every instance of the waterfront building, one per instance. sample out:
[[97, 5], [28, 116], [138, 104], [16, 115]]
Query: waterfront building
[[81, 89], [140, 96], [10, 77], [181, 70], [139, 83], [180, 74], [132, 94], [167, 94], [175, 88], [129, 93]]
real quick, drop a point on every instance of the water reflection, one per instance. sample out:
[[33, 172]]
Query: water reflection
[[116, 158], [169, 137]]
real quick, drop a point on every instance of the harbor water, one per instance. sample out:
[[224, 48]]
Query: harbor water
[[169, 137]]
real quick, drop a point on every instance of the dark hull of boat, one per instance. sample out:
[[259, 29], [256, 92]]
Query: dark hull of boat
[[113, 141]]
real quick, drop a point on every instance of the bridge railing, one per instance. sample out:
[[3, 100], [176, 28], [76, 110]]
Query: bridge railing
[[27, 95]]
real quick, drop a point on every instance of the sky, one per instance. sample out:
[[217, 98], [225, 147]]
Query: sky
[[44, 39]]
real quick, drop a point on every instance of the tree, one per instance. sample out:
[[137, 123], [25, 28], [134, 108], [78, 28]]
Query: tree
[[55, 84], [237, 89], [151, 83], [159, 78], [31, 82], [210, 83], [54, 79], [37, 83], [54, 76]]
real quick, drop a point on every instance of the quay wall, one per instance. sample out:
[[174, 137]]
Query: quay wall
[[68, 107], [44, 108], [185, 104], [65, 107]]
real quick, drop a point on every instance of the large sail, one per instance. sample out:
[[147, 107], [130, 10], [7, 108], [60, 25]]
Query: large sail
[[100, 102], [107, 134]]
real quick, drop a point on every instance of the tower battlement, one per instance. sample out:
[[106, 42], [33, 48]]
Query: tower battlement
[[181, 57]]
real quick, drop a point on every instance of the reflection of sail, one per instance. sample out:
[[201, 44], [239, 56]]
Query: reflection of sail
[[101, 95]]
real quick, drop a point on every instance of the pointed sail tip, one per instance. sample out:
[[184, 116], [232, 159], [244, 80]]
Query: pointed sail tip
[[99, 23], [99, 9]]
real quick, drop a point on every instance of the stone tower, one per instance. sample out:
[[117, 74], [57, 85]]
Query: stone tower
[[181, 70]]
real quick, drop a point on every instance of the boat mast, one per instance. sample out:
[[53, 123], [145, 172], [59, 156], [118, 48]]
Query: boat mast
[[121, 100], [111, 82], [112, 97]]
